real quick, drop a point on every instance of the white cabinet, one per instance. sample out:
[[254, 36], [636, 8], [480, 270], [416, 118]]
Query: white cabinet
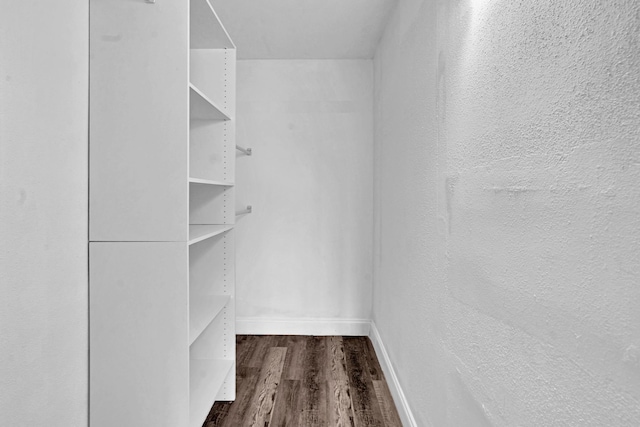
[[162, 252], [138, 347], [139, 113]]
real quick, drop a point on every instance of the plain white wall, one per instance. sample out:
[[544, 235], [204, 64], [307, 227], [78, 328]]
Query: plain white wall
[[508, 211], [43, 212], [306, 250], [408, 283]]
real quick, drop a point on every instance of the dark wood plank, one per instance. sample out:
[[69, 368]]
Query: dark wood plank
[[336, 363], [218, 414], [314, 387], [373, 366], [245, 345], [282, 340], [231, 414], [287, 409], [340, 413], [265, 393], [364, 402], [259, 350], [388, 408], [339, 410], [294, 362]]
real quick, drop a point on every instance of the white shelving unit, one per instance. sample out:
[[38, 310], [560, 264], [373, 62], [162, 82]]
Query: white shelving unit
[[209, 182], [202, 311], [202, 108], [162, 197], [211, 202], [200, 232], [207, 376]]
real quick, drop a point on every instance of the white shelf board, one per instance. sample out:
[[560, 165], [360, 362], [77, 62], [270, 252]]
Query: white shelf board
[[200, 232], [202, 311], [210, 182], [206, 377], [202, 108], [206, 29]]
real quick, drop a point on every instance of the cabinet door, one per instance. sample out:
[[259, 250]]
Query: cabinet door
[[139, 358], [138, 120]]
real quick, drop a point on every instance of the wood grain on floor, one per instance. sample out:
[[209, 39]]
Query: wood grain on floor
[[305, 381]]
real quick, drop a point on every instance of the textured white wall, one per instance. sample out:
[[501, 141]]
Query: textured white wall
[[508, 224], [43, 213], [306, 251]]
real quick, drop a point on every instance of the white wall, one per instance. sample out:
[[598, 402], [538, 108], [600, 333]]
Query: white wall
[[508, 211], [306, 250], [43, 213]]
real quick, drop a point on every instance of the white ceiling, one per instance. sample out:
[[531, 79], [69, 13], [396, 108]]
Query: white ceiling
[[304, 29]]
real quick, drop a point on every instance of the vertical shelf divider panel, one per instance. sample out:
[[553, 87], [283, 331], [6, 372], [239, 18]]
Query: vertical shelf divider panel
[[211, 179]]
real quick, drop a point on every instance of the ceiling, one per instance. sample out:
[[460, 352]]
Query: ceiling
[[304, 29]]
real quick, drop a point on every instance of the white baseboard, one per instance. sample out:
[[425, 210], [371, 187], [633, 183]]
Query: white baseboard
[[319, 327], [392, 380]]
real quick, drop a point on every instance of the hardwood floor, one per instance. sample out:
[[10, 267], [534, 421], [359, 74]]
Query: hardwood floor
[[305, 381]]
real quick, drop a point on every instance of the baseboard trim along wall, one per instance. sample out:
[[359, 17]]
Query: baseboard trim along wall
[[321, 327], [406, 416]]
